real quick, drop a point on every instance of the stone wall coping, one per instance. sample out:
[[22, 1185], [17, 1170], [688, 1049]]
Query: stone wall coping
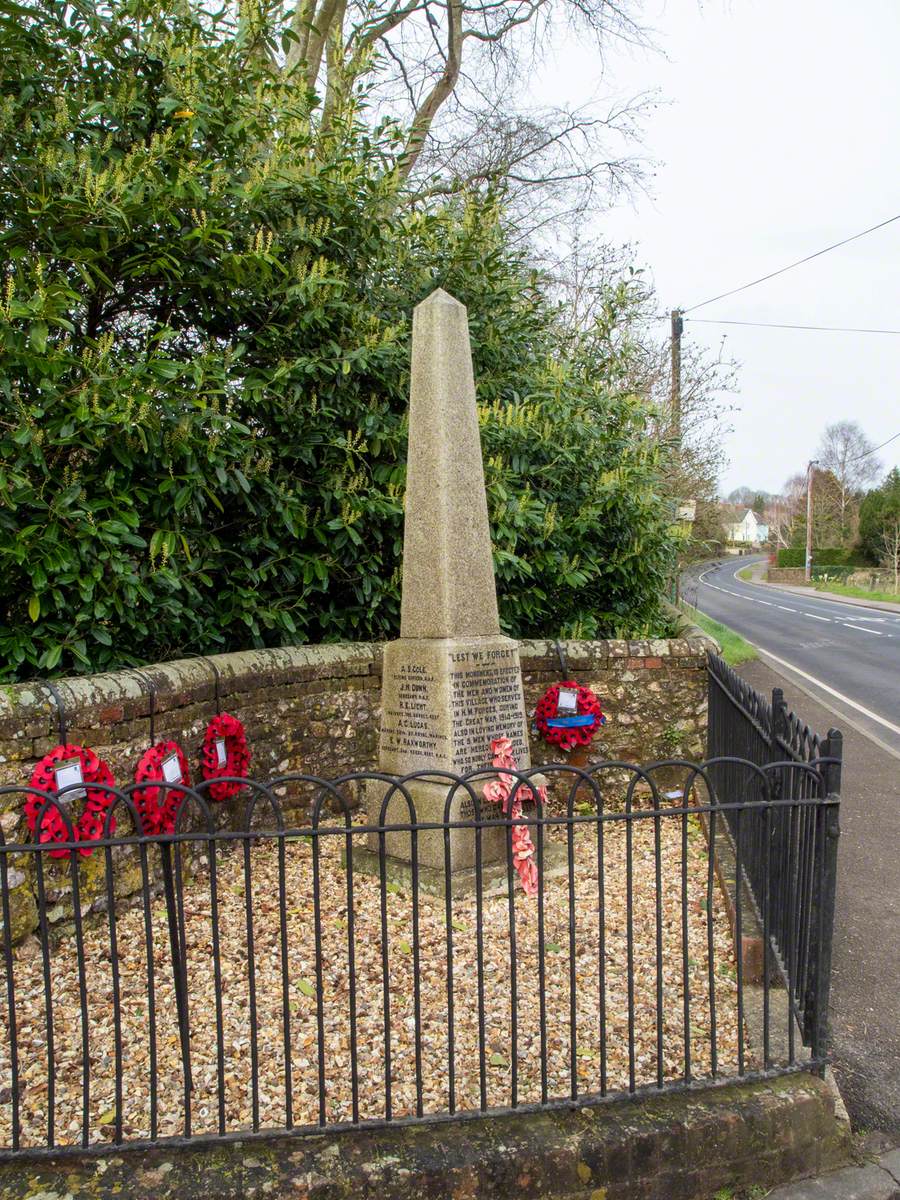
[[184, 678], [594, 652]]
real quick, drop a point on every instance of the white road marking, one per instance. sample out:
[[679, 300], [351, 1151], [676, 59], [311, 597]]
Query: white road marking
[[861, 629], [854, 704], [867, 712], [775, 587], [770, 604]]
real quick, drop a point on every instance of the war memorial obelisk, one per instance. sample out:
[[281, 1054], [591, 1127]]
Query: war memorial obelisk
[[451, 682]]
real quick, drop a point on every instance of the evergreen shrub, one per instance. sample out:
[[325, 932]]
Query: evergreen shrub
[[205, 318]]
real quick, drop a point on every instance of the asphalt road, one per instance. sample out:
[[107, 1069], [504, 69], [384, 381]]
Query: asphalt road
[[822, 651], [847, 655]]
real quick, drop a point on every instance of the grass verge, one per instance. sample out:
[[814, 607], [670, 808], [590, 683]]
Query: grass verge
[[745, 573], [735, 650], [842, 589]]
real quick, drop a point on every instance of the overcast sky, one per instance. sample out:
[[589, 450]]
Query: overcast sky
[[779, 133]]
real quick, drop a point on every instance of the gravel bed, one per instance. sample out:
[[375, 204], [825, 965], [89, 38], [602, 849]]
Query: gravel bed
[[233, 1080]]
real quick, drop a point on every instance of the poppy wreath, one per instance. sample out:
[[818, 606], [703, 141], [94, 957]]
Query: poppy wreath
[[567, 735], [227, 729], [498, 791], [98, 800], [158, 807]]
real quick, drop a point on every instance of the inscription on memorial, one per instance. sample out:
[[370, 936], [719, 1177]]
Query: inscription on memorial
[[485, 702], [443, 710], [407, 724]]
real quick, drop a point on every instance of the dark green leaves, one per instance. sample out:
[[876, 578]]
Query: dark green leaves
[[205, 329]]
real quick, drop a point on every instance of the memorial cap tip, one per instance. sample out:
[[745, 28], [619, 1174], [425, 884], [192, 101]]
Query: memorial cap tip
[[439, 296]]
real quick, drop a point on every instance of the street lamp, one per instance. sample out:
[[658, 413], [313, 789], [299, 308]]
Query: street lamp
[[809, 478]]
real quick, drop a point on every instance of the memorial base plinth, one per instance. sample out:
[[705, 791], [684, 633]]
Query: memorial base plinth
[[430, 807], [434, 881]]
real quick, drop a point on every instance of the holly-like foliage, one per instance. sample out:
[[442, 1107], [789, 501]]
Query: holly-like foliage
[[879, 518], [204, 322]]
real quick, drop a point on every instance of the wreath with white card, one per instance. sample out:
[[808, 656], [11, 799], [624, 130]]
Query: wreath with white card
[[158, 806], [568, 715], [224, 753], [78, 774]]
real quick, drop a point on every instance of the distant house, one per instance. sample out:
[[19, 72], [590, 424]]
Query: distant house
[[749, 528]]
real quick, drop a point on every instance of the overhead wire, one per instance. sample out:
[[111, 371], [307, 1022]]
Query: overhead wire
[[781, 325], [874, 448], [790, 266], [812, 328]]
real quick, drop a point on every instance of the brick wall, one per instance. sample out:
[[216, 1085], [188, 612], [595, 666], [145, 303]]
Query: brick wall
[[313, 709], [316, 708], [786, 575], [653, 693]]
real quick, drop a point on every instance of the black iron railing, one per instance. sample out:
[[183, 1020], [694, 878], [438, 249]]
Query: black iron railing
[[788, 857], [285, 972]]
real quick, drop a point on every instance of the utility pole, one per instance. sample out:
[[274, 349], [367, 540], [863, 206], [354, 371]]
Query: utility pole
[[675, 411], [809, 518], [677, 328]]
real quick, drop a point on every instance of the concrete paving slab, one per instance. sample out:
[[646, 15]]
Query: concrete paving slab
[[870, 1182], [891, 1162], [865, 964]]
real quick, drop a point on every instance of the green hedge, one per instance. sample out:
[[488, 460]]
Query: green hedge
[[826, 556], [837, 557], [204, 321]]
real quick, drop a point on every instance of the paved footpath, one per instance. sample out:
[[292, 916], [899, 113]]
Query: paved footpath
[[865, 987], [878, 1180]]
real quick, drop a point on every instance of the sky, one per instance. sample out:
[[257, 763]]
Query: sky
[[778, 133]]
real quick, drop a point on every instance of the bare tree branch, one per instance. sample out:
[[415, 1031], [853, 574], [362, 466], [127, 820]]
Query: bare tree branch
[[427, 111], [369, 32], [501, 30], [459, 106]]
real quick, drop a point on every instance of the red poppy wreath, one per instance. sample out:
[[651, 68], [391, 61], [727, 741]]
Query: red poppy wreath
[[568, 715], [224, 753], [157, 806], [67, 765]]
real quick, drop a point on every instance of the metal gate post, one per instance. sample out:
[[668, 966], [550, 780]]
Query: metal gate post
[[828, 850], [179, 972]]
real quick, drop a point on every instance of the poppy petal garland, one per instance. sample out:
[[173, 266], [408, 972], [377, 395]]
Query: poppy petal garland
[[567, 736], [498, 791], [158, 807], [97, 799], [224, 752]]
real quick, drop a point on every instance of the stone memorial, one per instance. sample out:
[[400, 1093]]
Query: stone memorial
[[451, 682]]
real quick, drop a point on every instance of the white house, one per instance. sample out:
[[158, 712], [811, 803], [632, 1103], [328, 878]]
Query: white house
[[751, 528]]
